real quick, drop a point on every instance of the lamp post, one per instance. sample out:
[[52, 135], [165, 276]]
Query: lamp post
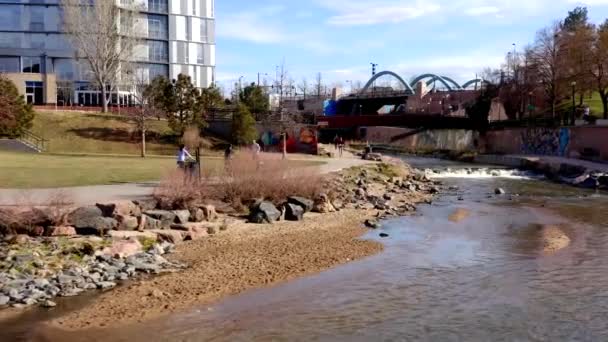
[[573, 118], [264, 74]]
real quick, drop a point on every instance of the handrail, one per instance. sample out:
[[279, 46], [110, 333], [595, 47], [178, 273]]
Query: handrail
[[33, 140]]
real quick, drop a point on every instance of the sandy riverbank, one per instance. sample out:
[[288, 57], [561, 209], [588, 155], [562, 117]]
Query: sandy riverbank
[[249, 256]]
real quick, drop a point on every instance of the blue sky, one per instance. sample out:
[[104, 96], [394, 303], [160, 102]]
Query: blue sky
[[339, 38]]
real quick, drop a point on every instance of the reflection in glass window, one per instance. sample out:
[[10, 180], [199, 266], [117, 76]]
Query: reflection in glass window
[[31, 64], [10, 17], [158, 51], [157, 26], [160, 6], [37, 18], [9, 64]]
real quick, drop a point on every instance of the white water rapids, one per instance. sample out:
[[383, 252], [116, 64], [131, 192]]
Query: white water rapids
[[478, 173]]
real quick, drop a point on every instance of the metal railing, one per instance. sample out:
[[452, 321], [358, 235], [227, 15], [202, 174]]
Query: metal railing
[[38, 143]]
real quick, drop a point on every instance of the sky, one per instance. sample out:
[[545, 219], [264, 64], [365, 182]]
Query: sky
[[340, 38]]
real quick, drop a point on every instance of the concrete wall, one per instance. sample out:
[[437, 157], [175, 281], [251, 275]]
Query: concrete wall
[[561, 142], [447, 139]]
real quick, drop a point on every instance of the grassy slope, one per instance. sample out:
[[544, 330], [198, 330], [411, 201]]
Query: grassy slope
[[90, 133], [20, 170]]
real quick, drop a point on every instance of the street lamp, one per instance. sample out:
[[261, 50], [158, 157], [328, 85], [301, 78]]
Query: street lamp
[[573, 118], [264, 74]]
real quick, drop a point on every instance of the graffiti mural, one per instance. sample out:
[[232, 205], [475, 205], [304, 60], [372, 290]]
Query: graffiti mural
[[300, 139], [545, 141]]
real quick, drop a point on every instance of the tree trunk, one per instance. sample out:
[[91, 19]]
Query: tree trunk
[[104, 99], [605, 104], [581, 99], [143, 143]]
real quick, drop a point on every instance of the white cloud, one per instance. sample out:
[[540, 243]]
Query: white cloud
[[359, 12], [252, 26]]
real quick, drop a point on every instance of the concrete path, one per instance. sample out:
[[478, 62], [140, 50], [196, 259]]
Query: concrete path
[[89, 195]]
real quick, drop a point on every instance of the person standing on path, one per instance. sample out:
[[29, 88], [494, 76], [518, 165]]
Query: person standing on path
[[255, 150], [183, 156], [340, 146]]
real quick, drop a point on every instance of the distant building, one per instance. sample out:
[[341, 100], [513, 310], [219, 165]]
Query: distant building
[[37, 56]]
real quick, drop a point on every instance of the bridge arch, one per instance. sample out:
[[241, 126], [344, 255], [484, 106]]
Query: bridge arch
[[385, 73], [456, 85], [471, 82], [433, 78]]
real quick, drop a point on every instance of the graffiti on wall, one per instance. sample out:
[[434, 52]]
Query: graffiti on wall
[[299, 140], [545, 141]]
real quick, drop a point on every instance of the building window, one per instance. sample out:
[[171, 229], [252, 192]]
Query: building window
[[31, 64], [10, 17], [204, 30], [9, 64], [182, 52], [158, 51], [34, 92], [157, 26], [160, 6], [200, 54], [36, 18]]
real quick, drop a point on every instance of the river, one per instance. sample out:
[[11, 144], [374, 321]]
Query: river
[[472, 266]]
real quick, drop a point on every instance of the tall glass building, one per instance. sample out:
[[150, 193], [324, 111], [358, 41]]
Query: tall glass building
[[178, 38]]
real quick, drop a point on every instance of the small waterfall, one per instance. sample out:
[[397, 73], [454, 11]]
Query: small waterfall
[[480, 173]]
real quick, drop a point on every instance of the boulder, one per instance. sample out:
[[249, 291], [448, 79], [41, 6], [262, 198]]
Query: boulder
[[172, 236], [209, 212], [196, 233], [372, 224], [182, 216], [302, 202], [61, 231], [126, 222], [383, 235], [123, 248], [293, 212], [146, 204], [197, 215], [131, 234], [166, 217], [90, 221], [323, 205], [264, 212], [126, 208], [499, 191]]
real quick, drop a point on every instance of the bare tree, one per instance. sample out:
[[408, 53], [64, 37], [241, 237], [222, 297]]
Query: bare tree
[[144, 96], [548, 61], [303, 86], [319, 84], [104, 35], [599, 64], [281, 81]]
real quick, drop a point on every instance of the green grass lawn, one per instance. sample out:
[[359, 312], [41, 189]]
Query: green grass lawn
[[24, 170], [96, 133]]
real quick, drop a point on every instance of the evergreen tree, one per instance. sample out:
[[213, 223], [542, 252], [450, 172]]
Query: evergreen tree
[[16, 115], [243, 126], [255, 99]]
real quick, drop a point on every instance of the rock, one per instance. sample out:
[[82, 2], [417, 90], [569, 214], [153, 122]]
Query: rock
[[372, 224], [131, 234], [127, 222], [61, 231], [305, 203], [323, 205], [338, 204], [499, 191], [28, 301], [383, 235], [166, 217], [264, 212], [90, 220], [196, 233], [4, 300], [460, 198], [146, 204], [149, 223], [210, 213], [434, 190], [157, 249], [123, 248], [373, 156], [103, 285], [293, 212], [125, 208], [172, 236], [156, 293], [586, 182], [387, 197], [182, 216], [197, 215], [360, 192], [49, 304]]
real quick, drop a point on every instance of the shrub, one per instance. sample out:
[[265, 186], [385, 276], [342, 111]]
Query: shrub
[[243, 126], [177, 191], [16, 115]]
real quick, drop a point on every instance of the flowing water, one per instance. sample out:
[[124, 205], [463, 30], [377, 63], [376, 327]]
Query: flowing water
[[470, 267]]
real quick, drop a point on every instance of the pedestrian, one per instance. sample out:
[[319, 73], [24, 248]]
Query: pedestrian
[[340, 146], [183, 156], [336, 138], [228, 152], [255, 151], [587, 114]]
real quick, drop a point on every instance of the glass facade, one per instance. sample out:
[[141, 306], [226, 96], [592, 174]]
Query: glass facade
[[157, 26], [158, 6], [34, 92], [9, 64], [31, 64]]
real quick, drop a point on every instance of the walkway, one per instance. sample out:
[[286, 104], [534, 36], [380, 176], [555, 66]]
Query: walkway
[[89, 195]]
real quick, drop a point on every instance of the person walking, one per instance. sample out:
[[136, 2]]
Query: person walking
[[255, 151], [183, 156], [340, 146], [228, 157]]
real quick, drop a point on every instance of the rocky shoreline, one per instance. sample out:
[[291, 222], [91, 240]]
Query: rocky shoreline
[[275, 243]]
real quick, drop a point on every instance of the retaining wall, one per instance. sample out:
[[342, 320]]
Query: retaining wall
[[439, 139]]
